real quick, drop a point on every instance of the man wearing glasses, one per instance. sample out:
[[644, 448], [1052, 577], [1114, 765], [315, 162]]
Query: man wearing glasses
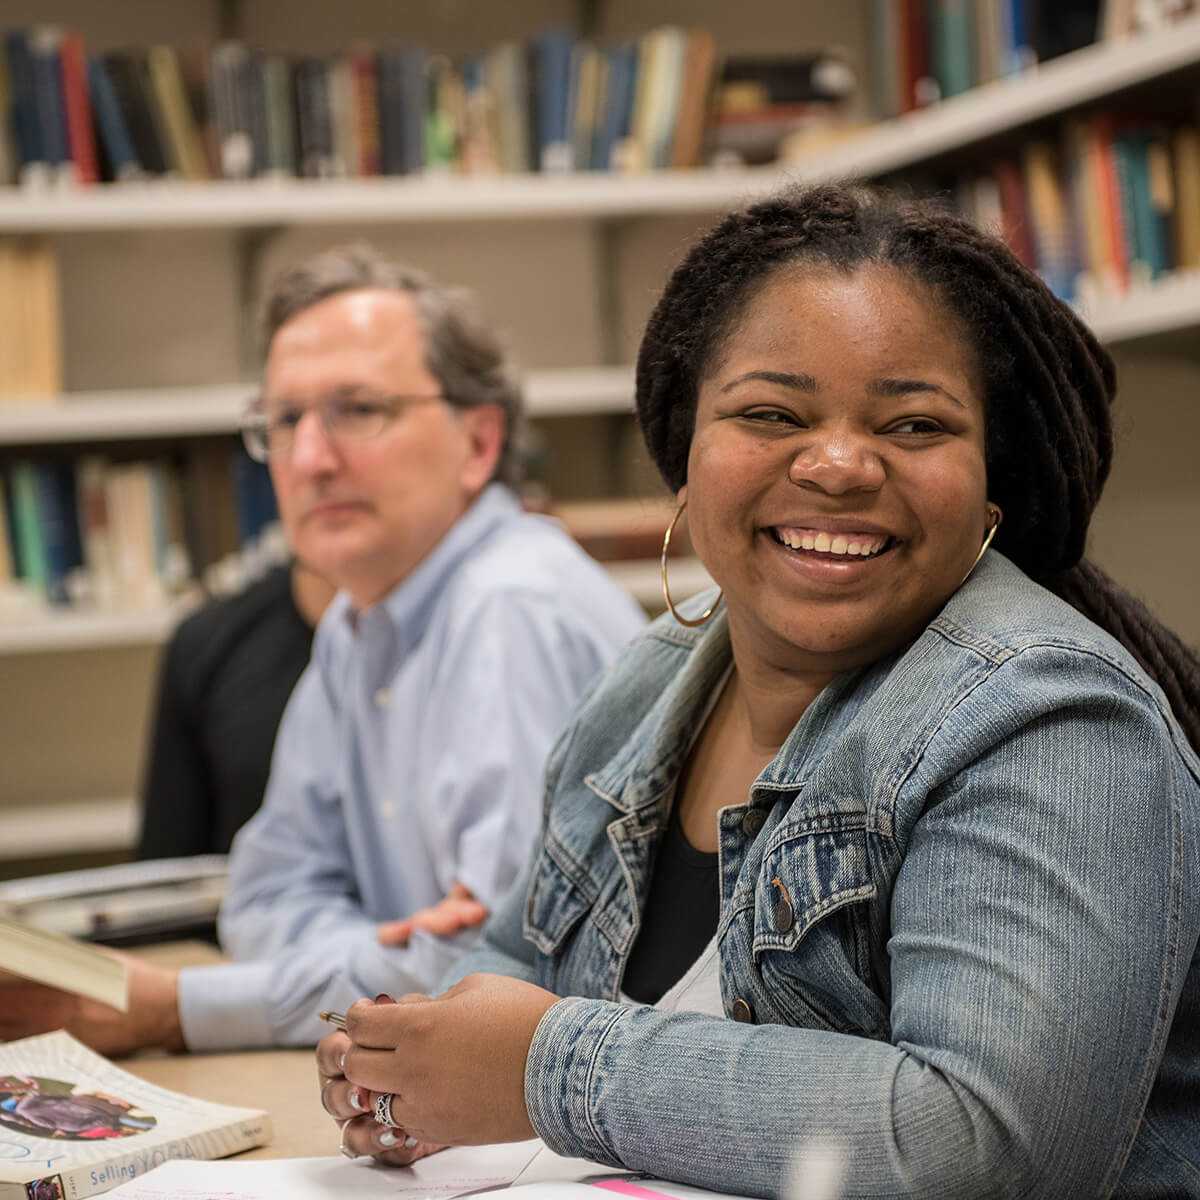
[[407, 769]]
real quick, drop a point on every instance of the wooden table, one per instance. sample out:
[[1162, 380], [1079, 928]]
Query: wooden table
[[284, 1082]]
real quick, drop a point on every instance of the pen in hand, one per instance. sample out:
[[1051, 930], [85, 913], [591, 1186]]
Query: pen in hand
[[338, 1020]]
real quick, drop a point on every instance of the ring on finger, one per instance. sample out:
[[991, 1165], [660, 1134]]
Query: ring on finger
[[383, 1111], [342, 1142]]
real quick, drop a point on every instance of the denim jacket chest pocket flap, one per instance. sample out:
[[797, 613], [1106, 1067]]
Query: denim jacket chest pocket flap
[[811, 936], [560, 892]]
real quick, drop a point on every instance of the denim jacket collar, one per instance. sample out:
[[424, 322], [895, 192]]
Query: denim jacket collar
[[633, 780]]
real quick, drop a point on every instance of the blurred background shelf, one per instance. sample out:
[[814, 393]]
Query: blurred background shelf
[[137, 413], [92, 826]]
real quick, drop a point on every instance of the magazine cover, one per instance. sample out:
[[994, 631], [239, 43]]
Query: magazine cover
[[73, 1124]]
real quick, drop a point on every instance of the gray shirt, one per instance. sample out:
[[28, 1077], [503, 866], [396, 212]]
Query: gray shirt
[[409, 756]]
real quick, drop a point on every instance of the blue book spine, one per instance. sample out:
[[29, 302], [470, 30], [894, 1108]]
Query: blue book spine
[[114, 134], [1019, 54], [618, 104], [253, 496], [26, 126], [553, 71], [47, 86], [62, 546]]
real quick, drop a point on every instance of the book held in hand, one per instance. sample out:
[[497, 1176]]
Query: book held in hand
[[73, 1124], [62, 962]]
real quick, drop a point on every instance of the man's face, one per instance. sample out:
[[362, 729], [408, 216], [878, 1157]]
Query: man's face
[[365, 512]]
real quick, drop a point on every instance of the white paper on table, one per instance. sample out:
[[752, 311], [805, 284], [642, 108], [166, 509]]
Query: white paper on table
[[456, 1172], [534, 1172]]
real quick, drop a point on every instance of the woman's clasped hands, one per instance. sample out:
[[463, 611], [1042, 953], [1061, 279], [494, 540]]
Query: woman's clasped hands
[[453, 1067]]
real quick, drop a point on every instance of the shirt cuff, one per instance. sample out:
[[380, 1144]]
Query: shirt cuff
[[559, 1069], [224, 1006]]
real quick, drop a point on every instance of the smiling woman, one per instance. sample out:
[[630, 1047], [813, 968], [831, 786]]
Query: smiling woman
[[848, 863]]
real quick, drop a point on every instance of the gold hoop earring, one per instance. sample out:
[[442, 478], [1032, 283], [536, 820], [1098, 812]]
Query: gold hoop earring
[[997, 516], [691, 624]]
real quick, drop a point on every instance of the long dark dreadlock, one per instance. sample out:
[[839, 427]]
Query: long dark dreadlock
[[1047, 383]]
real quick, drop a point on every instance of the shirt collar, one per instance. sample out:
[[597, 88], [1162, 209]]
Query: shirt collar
[[410, 604]]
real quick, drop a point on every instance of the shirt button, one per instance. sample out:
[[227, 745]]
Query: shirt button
[[753, 821], [743, 1012], [785, 918], [383, 698], [388, 809]]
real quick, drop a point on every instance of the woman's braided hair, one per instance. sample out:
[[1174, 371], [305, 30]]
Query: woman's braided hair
[[1047, 383]]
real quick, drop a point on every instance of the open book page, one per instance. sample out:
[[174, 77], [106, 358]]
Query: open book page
[[73, 1119]]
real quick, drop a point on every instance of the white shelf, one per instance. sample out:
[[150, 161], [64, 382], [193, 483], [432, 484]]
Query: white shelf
[[1169, 305], [190, 411], [77, 827], [167, 204], [1005, 104], [37, 632], [995, 108]]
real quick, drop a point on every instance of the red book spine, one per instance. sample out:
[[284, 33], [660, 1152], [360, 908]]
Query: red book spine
[[1014, 211], [366, 110], [81, 137], [1109, 190], [914, 36]]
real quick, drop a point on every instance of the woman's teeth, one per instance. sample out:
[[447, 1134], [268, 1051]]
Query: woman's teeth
[[864, 544]]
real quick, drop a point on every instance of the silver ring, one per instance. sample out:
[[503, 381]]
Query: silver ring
[[342, 1142], [383, 1111]]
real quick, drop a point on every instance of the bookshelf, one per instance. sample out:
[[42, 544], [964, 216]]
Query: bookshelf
[[1000, 107], [570, 264]]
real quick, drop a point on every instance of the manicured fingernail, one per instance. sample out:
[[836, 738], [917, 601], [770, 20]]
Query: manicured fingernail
[[355, 1099], [387, 1138], [409, 1143], [384, 998], [342, 1064]]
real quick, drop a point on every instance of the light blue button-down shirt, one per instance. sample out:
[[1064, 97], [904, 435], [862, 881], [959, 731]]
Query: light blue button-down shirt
[[410, 756]]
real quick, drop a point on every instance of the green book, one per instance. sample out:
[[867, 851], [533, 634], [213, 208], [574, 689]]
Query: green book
[[30, 549]]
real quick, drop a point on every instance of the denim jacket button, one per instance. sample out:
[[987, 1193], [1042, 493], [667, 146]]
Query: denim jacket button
[[785, 918], [753, 821], [743, 1012]]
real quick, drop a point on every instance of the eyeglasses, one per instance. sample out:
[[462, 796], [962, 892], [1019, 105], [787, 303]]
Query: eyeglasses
[[347, 415]]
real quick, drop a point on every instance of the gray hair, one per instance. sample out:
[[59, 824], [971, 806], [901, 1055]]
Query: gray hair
[[465, 354]]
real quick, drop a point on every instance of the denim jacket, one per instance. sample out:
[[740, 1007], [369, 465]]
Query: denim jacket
[[958, 930]]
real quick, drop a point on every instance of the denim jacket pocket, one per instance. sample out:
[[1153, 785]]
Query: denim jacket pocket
[[557, 900], [811, 934]]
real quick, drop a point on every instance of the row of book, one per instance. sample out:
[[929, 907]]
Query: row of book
[[929, 50], [556, 103], [1112, 206], [105, 535], [30, 319]]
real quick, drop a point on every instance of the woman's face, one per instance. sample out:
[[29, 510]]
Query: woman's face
[[836, 480]]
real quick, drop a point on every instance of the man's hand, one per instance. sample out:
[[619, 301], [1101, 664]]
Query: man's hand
[[459, 910], [152, 1020]]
